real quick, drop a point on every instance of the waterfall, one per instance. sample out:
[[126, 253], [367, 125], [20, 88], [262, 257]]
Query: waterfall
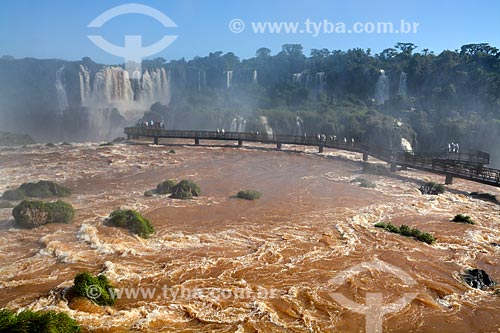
[[113, 88], [299, 126], [297, 78], [238, 124], [62, 98], [320, 81], [267, 128], [84, 76], [254, 76], [202, 80], [229, 79], [403, 90], [382, 88]]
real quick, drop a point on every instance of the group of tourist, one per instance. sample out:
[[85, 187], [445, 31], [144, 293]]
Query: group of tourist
[[453, 147], [331, 138], [151, 123]]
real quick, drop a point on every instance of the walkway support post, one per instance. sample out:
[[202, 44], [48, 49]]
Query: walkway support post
[[278, 145], [449, 179], [365, 156], [197, 141], [393, 167], [240, 142], [320, 148], [155, 140]]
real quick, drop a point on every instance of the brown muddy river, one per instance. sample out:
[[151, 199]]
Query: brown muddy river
[[277, 264]]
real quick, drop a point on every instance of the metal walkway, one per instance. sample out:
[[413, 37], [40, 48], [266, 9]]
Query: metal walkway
[[466, 165]]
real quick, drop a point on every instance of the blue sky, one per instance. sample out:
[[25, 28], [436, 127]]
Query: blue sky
[[58, 29]]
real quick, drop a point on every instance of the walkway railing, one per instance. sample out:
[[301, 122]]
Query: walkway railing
[[466, 164]]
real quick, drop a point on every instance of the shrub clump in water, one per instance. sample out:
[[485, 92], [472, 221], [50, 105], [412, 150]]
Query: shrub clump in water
[[41, 189], [165, 187], [32, 214], [460, 218], [13, 195], [249, 194], [375, 169], [98, 289], [363, 182], [408, 232], [432, 188], [484, 196], [185, 189], [132, 220], [37, 321]]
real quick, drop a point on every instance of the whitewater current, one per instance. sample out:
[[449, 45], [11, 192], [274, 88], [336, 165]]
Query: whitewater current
[[221, 264]]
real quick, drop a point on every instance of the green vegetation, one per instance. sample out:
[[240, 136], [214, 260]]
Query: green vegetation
[[171, 151], [98, 289], [432, 188], [185, 189], [66, 144], [132, 220], [41, 189], [408, 232], [165, 187], [44, 189], [375, 169], [5, 204], [363, 182], [119, 139], [249, 194], [11, 139], [28, 321], [50, 144], [13, 195], [484, 196], [460, 218], [32, 214], [106, 144]]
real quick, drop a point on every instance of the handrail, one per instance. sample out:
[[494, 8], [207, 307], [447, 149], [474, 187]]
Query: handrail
[[466, 164]]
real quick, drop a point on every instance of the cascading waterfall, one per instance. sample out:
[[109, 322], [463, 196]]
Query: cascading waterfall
[[297, 78], [112, 88], [268, 129], [403, 90], [202, 79], [299, 126], [229, 79], [382, 88], [254, 76], [238, 124], [62, 97], [320, 81], [84, 76]]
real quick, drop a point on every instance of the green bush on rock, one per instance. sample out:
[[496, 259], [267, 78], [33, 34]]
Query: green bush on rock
[[165, 187], [29, 321], [185, 189], [98, 289], [132, 220], [460, 218], [363, 182], [13, 195], [432, 188], [40, 189], [32, 214], [408, 232], [249, 194]]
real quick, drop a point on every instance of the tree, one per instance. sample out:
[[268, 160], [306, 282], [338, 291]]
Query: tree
[[263, 52]]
